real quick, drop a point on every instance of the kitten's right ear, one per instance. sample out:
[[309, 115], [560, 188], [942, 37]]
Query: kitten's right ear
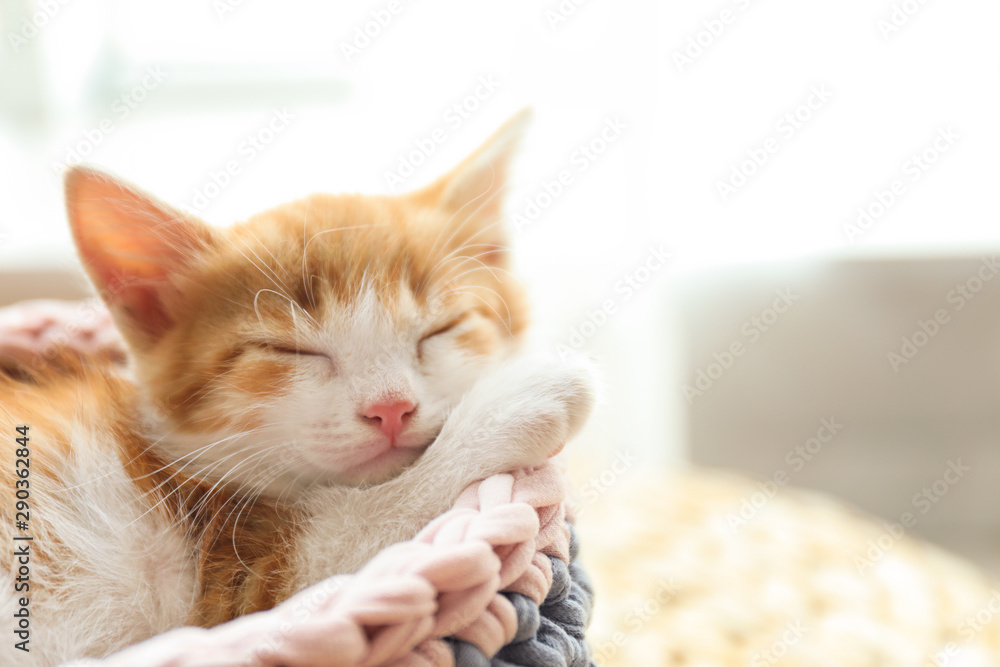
[[132, 245]]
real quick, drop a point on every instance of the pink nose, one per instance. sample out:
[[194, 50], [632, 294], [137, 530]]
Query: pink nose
[[389, 416]]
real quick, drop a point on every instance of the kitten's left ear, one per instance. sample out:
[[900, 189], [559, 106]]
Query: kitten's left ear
[[133, 246], [473, 192]]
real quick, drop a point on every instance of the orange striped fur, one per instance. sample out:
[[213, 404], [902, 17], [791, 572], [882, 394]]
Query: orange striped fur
[[232, 463]]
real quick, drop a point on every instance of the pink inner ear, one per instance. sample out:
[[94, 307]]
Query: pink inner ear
[[131, 244], [129, 275], [142, 305]]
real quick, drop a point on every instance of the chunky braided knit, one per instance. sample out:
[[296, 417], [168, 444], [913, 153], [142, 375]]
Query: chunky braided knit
[[550, 635], [506, 533]]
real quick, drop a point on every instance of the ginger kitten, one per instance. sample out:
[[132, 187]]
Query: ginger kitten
[[304, 389]]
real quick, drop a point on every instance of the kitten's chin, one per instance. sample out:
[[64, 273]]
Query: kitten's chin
[[380, 468], [370, 463]]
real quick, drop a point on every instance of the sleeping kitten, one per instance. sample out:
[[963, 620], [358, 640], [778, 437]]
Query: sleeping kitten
[[304, 389]]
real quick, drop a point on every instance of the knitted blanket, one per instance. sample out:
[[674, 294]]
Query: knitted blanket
[[491, 581]]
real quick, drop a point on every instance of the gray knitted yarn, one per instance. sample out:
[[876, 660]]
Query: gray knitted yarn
[[550, 635]]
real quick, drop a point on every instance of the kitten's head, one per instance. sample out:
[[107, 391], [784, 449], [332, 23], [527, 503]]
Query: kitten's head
[[322, 341]]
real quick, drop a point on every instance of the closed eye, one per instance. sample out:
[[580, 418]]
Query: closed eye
[[444, 328], [284, 349]]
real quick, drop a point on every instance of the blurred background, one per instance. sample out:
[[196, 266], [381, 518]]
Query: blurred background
[[774, 223]]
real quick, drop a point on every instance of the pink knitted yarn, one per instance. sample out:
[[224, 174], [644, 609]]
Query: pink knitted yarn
[[444, 582]]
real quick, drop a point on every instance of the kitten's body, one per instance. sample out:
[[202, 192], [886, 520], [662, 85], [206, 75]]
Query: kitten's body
[[290, 376]]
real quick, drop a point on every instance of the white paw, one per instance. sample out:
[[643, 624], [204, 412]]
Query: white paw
[[524, 412]]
